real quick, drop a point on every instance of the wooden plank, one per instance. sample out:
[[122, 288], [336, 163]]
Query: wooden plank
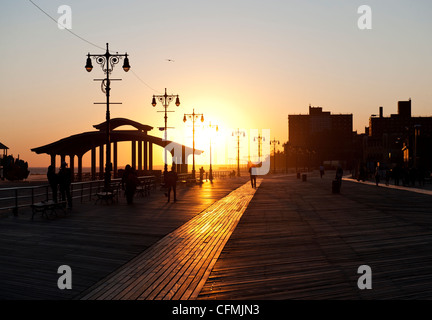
[[95, 240], [178, 263], [307, 245]]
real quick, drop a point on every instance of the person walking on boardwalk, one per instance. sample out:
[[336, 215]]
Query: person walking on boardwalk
[[201, 174], [252, 176], [64, 180], [339, 174], [377, 174], [321, 168], [129, 183], [171, 183], [52, 180]]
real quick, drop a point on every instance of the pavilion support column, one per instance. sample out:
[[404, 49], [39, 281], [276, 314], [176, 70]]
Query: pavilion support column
[[62, 158], [150, 156], [72, 166], [184, 162], [145, 156], [80, 167], [178, 163], [53, 162], [93, 163], [115, 159], [140, 157], [134, 154], [101, 162]]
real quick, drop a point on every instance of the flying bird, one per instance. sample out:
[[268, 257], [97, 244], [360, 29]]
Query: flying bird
[[170, 60]]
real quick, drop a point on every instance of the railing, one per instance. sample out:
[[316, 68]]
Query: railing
[[187, 177], [20, 197]]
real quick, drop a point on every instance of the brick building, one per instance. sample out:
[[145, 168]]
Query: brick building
[[399, 138], [319, 136]]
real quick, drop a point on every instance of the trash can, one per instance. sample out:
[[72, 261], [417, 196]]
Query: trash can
[[335, 186], [304, 177]]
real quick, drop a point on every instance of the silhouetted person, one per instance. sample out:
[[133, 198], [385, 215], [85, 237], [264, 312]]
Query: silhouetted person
[[129, 183], [387, 176], [171, 183], [339, 174], [252, 177], [64, 180], [201, 174], [321, 168], [377, 174], [362, 173], [52, 180]]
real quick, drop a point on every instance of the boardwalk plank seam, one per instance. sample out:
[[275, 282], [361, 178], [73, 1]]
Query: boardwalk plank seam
[[178, 265]]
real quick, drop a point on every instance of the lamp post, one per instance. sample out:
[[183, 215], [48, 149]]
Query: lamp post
[[417, 128], [211, 170], [165, 99], [193, 116], [260, 139], [107, 62], [238, 133], [274, 142]]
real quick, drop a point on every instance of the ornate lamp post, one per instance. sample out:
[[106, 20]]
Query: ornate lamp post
[[107, 62], [260, 139], [274, 142], [193, 116], [211, 170], [165, 99], [417, 128], [238, 133]]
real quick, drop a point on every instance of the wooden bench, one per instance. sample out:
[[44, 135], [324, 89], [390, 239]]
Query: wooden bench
[[107, 196], [110, 196], [192, 180], [143, 189], [47, 208]]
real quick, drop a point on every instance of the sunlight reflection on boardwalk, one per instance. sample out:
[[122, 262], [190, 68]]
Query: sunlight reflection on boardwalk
[[178, 265]]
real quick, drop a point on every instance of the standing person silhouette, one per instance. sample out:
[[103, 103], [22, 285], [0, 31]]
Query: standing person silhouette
[[252, 176], [52, 180], [201, 174], [377, 174], [64, 180], [339, 175], [129, 183], [171, 183]]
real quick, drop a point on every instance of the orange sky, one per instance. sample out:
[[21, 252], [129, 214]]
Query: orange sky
[[244, 64]]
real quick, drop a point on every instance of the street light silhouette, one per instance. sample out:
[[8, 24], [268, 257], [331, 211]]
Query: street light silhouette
[[260, 139], [193, 116], [211, 170], [165, 99], [107, 61], [238, 133], [274, 142]]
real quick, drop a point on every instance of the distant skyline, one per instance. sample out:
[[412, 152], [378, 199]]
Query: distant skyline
[[243, 64]]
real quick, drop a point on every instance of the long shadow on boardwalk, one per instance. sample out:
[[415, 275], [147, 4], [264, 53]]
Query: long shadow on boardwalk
[[297, 240], [94, 240]]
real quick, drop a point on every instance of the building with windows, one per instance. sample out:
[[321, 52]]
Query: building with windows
[[399, 138], [319, 137]]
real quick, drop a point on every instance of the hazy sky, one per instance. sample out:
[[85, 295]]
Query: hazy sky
[[245, 64]]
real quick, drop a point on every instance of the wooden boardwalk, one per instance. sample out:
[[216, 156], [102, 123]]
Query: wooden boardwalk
[[94, 240], [289, 239], [297, 240], [178, 265]]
